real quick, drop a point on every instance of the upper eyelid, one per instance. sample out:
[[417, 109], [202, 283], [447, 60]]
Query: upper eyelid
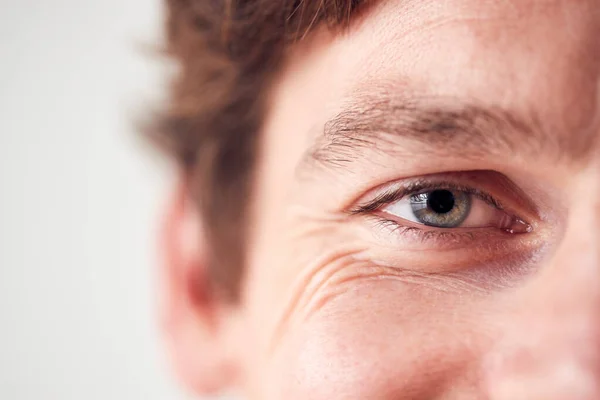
[[391, 195]]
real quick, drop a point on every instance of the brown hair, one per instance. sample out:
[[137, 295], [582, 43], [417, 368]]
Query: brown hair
[[228, 52]]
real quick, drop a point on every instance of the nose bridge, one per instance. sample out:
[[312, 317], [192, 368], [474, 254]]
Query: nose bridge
[[550, 346], [567, 285], [573, 272]]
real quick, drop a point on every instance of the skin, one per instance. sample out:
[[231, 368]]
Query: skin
[[340, 305]]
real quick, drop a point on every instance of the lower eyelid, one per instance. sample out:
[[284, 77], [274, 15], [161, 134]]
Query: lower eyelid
[[414, 228], [489, 252], [419, 237]]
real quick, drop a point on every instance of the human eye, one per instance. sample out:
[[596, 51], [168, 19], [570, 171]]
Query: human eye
[[448, 206], [469, 202]]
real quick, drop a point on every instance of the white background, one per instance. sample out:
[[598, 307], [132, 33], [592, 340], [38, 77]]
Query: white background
[[79, 201]]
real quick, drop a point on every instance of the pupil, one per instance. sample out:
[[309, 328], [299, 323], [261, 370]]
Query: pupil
[[441, 201]]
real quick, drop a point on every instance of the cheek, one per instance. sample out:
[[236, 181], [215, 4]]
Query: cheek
[[380, 340]]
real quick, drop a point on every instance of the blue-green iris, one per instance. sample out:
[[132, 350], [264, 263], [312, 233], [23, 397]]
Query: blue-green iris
[[441, 208]]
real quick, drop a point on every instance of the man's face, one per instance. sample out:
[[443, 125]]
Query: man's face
[[427, 214]]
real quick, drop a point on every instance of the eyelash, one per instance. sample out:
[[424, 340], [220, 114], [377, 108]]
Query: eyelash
[[419, 187], [414, 188]]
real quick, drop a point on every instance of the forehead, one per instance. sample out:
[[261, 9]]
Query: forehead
[[479, 45], [540, 57]]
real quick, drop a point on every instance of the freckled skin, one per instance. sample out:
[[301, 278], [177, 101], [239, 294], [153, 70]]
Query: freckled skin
[[339, 308]]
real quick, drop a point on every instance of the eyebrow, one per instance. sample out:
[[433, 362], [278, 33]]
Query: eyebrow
[[435, 126]]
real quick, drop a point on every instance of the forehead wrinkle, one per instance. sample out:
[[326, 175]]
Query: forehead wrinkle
[[437, 126]]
